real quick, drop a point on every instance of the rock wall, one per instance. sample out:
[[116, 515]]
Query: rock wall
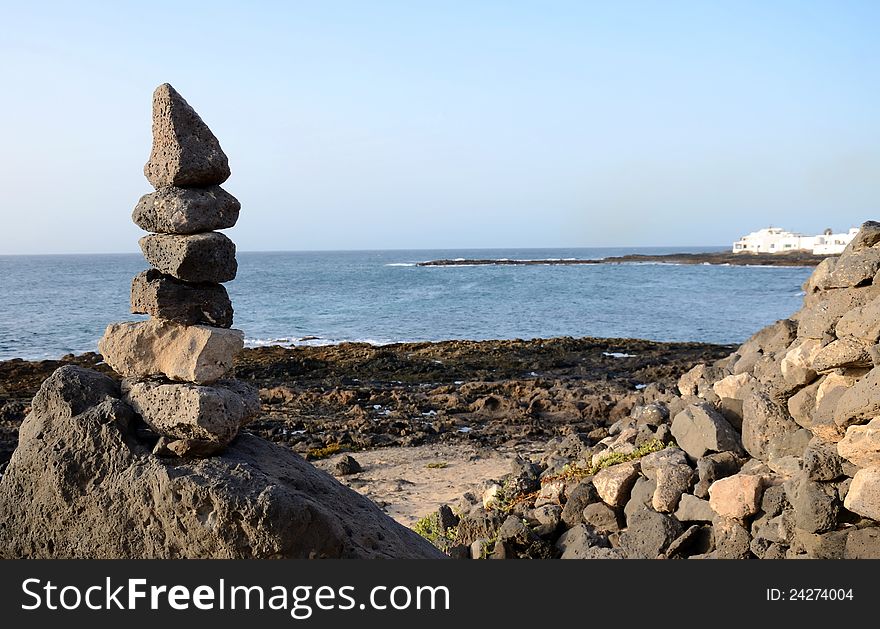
[[772, 452]]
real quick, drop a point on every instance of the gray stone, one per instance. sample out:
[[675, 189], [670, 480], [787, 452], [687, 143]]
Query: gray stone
[[208, 257], [82, 485], [830, 545], [863, 496], [347, 465], [696, 539], [861, 402], [576, 542], [185, 152], [650, 463], [648, 534], [855, 268], [819, 278], [815, 505], [699, 429], [546, 519], [601, 518], [613, 484], [732, 539], [797, 364], [770, 535], [641, 496], [867, 236], [862, 323], [819, 319], [195, 353], [844, 352], [802, 405], [186, 210], [190, 411], [860, 445], [766, 426], [164, 297], [650, 415], [821, 461], [578, 498], [712, 467], [766, 342], [863, 544], [693, 509], [774, 500], [672, 481]]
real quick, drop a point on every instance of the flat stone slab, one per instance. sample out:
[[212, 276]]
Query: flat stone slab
[[206, 257], [183, 411], [196, 353], [185, 152], [164, 297], [176, 210]]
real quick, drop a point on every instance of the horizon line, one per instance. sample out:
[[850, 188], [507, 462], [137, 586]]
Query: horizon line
[[125, 253]]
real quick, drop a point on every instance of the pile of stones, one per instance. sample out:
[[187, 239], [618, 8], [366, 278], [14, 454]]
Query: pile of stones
[[177, 365], [772, 452]]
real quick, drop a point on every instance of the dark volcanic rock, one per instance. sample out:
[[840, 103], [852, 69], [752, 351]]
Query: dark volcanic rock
[[186, 210], [648, 534], [81, 485], [164, 297], [185, 152], [208, 257], [347, 465]]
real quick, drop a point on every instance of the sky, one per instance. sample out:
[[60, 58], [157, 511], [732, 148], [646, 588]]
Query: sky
[[406, 125]]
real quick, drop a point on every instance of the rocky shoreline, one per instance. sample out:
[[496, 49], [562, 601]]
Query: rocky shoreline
[[794, 258], [354, 396]]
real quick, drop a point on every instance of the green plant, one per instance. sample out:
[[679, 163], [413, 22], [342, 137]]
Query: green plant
[[429, 528], [323, 453], [437, 465], [575, 472]]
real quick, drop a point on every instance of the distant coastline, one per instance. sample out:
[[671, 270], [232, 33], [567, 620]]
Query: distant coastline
[[794, 258]]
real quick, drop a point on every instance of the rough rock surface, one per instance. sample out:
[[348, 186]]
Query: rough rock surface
[[185, 152], [164, 297], [196, 353], [863, 496], [189, 411], [613, 483], [699, 429], [736, 497], [82, 485], [176, 210], [206, 257], [861, 445]]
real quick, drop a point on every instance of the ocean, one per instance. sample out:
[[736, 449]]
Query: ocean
[[51, 305]]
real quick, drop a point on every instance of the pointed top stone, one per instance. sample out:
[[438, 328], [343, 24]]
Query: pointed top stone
[[185, 152]]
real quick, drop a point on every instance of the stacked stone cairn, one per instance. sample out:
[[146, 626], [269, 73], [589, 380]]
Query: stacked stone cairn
[[772, 452], [177, 366]]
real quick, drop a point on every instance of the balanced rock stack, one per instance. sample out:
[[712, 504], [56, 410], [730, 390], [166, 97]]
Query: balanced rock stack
[[177, 364]]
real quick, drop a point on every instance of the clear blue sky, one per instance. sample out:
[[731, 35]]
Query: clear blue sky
[[370, 125]]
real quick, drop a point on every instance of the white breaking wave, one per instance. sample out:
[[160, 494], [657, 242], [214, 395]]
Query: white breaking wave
[[310, 341], [401, 264], [618, 355]]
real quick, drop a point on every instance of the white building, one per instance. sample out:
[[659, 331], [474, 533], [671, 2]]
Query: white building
[[777, 240]]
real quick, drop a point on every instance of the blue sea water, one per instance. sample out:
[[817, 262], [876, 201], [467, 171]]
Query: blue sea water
[[54, 305]]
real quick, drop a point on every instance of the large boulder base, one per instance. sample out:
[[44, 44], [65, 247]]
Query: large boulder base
[[175, 210], [206, 257], [82, 485], [164, 297], [195, 353], [185, 152]]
